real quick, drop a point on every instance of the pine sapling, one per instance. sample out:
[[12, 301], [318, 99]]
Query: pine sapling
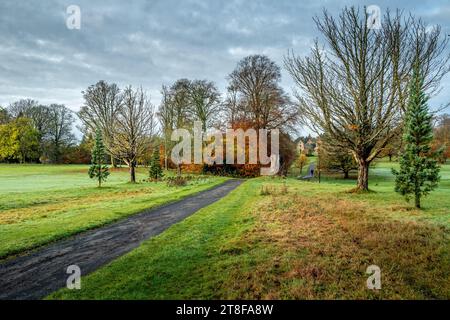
[[419, 171], [98, 168], [155, 170]]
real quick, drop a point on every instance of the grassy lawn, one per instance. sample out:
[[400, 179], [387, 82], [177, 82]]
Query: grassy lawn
[[40, 204], [301, 240]]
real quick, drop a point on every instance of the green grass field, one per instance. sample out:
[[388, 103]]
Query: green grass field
[[40, 204], [297, 240]]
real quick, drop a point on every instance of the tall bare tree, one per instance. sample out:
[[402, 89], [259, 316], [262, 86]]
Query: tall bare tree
[[204, 100], [256, 82], [59, 131], [180, 102], [232, 106], [133, 125], [39, 114], [102, 103], [40, 117], [175, 111], [21, 107], [166, 118], [355, 90]]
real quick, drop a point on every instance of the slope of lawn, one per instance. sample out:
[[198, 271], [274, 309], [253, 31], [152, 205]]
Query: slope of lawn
[[40, 204], [277, 238]]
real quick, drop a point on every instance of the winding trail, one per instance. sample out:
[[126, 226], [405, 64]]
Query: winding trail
[[37, 274]]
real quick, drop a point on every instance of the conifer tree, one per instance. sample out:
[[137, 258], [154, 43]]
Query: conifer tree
[[419, 171], [98, 168], [155, 170]]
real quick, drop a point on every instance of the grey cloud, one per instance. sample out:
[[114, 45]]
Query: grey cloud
[[153, 42]]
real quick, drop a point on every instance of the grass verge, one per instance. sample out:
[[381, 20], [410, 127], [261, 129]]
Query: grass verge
[[294, 240], [38, 216]]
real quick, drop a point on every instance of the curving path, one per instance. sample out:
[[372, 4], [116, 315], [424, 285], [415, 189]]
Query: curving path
[[37, 274]]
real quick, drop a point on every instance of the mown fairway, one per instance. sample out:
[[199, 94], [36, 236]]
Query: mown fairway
[[40, 204], [298, 240]]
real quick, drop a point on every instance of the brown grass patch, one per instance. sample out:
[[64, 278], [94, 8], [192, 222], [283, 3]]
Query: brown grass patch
[[320, 247]]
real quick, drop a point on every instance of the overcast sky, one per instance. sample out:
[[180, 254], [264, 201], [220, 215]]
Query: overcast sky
[[153, 42]]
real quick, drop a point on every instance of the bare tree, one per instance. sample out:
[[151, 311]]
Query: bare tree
[[133, 125], [354, 92], [180, 101], [204, 101], [28, 108], [166, 118], [102, 103], [232, 105], [176, 111], [40, 117], [256, 82], [59, 133], [427, 46], [20, 108]]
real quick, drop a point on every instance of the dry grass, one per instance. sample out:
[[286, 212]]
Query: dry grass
[[321, 247], [298, 241], [268, 189]]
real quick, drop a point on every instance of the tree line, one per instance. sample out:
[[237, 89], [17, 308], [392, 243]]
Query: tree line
[[128, 121], [353, 91], [31, 132], [131, 127]]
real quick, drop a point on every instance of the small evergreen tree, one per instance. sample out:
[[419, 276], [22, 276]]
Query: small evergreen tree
[[98, 169], [155, 170], [419, 172]]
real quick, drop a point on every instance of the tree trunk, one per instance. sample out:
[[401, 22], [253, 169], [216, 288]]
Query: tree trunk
[[132, 171], [363, 175], [165, 154], [417, 193], [417, 201], [346, 175]]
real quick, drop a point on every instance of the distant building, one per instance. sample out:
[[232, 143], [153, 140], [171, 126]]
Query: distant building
[[306, 145]]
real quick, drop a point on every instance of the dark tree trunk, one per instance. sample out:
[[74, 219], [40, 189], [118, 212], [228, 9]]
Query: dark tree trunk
[[165, 157], [417, 202], [346, 175], [132, 171], [417, 194], [363, 175]]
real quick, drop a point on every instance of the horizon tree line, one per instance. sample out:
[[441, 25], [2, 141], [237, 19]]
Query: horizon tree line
[[33, 132], [352, 91]]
